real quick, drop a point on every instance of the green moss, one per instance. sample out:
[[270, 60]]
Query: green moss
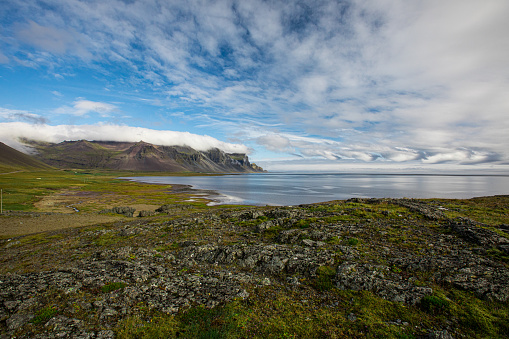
[[110, 287], [272, 313], [106, 239], [262, 218], [272, 232], [197, 322], [167, 247], [353, 241], [44, 315], [498, 254], [304, 223], [396, 269], [324, 278], [157, 327], [35, 239], [312, 309], [488, 210], [434, 304], [334, 240], [201, 322], [478, 318]]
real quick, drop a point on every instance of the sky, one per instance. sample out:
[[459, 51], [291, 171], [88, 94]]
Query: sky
[[317, 85]]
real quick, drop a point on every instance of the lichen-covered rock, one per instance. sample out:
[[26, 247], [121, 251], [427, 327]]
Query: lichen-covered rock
[[486, 282], [271, 259], [487, 279], [138, 281], [250, 215], [284, 213], [291, 236], [477, 233], [146, 213], [172, 208], [379, 280], [266, 225], [126, 211], [421, 207], [18, 320], [440, 335]]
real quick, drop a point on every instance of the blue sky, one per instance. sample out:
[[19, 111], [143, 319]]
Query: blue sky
[[308, 84]]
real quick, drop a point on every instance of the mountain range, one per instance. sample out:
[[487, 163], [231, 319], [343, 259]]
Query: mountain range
[[139, 156]]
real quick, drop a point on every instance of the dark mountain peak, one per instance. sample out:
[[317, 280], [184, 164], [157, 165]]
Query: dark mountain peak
[[141, 147], [142, 143]]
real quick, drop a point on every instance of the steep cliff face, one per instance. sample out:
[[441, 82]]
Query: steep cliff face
[[141, 156], [235, 161]]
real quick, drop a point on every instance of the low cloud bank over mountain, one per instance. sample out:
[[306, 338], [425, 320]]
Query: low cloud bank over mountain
[[10, 133]]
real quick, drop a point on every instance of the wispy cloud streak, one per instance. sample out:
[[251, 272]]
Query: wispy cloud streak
[[7, 114]]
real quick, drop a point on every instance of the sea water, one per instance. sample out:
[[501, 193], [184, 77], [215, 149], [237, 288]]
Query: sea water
[[305, 188]]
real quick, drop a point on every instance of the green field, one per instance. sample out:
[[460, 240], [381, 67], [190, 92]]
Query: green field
[[21, 190]]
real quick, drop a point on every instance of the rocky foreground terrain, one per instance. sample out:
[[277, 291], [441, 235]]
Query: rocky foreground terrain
[[399, 268]]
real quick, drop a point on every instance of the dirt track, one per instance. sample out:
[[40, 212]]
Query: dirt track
[[34, 223]]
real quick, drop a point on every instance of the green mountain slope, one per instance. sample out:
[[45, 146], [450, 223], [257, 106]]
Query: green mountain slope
[[14, 160]]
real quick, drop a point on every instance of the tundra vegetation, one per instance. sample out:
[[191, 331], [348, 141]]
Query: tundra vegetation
[[373, 268]]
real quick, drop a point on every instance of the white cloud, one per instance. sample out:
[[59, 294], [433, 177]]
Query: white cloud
[[3, 59], [14, 115], [52, 39], [462, 156], [12, 131], [275, 142], [83, 107]]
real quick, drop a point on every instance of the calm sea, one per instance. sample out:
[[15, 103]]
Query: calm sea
[[295, 189]]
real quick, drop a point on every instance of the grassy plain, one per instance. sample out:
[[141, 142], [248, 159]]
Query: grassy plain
[[24, 190], [59, 193]]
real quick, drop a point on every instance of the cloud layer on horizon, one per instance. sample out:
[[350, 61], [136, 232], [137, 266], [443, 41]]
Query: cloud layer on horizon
[[11, 132], [340, 80]]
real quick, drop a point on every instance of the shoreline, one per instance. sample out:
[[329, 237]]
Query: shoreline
[[197, 193], [289, 189]]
